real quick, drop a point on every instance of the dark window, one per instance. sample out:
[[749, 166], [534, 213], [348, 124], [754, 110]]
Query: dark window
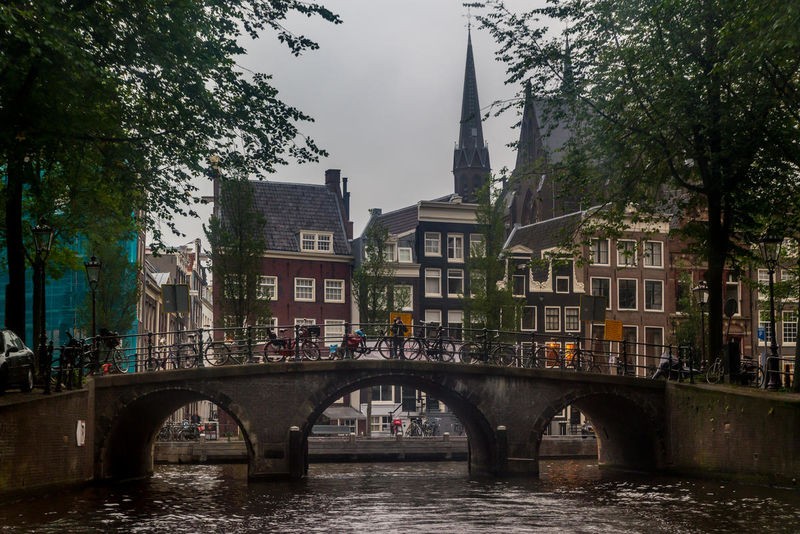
[[627, 294]]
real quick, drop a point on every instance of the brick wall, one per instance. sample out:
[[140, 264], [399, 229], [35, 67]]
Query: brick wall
[[734, 432], [38, 445]]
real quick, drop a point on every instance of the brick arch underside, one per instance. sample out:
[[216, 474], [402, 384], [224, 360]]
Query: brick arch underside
[[480, 435], [629, 430], [126, 443]]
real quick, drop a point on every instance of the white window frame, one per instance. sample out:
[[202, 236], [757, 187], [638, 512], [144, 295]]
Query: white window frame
[[410, 288], [264, 287], [636, 293], [789, 317], [557, 315], [338, 285], [476, 240], [460, 276], [623, 260], [577, 310], [661, 284], [595, 245], [591, 289], [429, 239], [648, 260], [313, 289], [390, 252], [433, 317], [405, 255], [334, 331], [763, 283], [262, 323], [304, 321], [562, 278], [731, 280], [433, 274], [457, 248], [316, 239], [522, 316], [514, 279]]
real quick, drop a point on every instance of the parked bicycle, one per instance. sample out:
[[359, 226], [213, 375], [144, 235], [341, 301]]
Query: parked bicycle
[[422, 426], [436, 349], [178, 355], [487, 349], [278, 349], [106, 355], [218, 352]]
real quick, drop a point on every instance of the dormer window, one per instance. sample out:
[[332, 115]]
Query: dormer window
[[316, 242]]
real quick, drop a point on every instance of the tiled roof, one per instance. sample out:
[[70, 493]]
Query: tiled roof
[[545, 234], [290, 208]]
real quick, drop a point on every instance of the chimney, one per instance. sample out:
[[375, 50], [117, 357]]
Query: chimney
[[346, 202], [332, 181], [374, 212]]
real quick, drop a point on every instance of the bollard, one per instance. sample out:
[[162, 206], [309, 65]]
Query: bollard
[[296, 456], [501, 459], [446, 436]]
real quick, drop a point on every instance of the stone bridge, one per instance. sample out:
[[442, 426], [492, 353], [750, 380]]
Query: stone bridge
[[504, 411]]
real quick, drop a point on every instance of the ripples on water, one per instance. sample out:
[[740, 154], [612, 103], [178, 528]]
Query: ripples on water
[[570, 496]]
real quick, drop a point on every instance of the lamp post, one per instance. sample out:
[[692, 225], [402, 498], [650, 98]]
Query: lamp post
[[42, 241], [771, 252], [701, 293], [93, 276]]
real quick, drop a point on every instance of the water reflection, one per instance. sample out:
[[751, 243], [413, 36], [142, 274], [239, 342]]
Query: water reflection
[[570, 496]]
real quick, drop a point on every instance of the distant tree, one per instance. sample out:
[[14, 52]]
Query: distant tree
[[135, 95], [490, 303], [689, 106], [373, 280], [237, 237]]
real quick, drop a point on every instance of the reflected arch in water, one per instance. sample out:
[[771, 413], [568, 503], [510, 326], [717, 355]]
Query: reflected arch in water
[[480, 434]]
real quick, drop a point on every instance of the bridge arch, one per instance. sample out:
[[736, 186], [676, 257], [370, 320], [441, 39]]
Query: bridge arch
[[125, 434], [479, 431]]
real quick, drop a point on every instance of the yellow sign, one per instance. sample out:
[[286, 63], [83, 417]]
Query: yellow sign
[[405, 317], [613, 330]]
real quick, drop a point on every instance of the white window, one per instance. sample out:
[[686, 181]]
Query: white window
[[572, 319], [552, 319], [626, 253], [732, 291], [260, 330], [433, 282], [304, 321], [433, 317], [334, 331], [477, 283], [653, 254], [528, 319], [404, 297], [789, 323], [599, 252], [455, 282], [433, 244], [455, 247], [390, 252], [455, 322], [334, 290], [518, 285], [304, 289], [404, 255], [626, 294], [477, 249], [763, 284], [654, 295], [268, 287], [316, 242], [764, 323]]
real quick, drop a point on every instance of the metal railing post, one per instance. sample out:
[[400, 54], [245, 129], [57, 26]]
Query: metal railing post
[[297, 342], [485, 353], [249, 343], [624, 350], [200, 347], [149, 347]]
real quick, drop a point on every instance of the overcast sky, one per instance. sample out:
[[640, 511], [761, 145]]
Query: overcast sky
[[384, 89]]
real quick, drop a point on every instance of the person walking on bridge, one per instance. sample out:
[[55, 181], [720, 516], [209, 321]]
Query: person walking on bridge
[[398, 331]]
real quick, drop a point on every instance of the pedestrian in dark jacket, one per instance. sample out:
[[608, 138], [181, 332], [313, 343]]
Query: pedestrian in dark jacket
[[398, 331]]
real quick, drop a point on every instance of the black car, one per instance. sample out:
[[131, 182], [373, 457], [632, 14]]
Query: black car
[[16, 363]]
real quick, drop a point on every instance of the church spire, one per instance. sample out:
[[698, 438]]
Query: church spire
[[471, 166], [529, 147]]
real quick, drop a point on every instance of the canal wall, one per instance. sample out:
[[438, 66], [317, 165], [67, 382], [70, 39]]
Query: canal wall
[[734, 433], [359, 449], [40, 445]]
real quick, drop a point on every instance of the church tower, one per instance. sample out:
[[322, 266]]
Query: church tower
[[471, 168]]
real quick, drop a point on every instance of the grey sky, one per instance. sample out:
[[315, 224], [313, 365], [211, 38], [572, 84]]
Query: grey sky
[[385, 90]]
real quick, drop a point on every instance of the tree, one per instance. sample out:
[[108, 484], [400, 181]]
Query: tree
[[687, 106], [237, 236], [136, 94], [373, 280], [490, 303], [118, 291]]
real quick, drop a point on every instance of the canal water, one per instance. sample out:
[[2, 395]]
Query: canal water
[[570, 496]]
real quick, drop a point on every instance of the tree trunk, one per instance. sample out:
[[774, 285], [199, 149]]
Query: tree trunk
[[15, 250]]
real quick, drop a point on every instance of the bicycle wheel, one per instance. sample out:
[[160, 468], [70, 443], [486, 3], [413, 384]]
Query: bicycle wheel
[[188, 355], [448, 353], [714, 373], [413, 349], [274, 352], [237, 354], [384, 347], [760, 378], [118, 361], [471, 353], [151, 364], [217, 353], [310, 350], [504, 355]]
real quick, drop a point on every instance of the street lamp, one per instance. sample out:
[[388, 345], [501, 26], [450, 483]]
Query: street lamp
[[93, 276], [42, 241], [771, 252], [701, 293]]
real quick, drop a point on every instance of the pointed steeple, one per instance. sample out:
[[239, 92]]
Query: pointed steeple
[[471, 167], [568, 80], [529, 147]]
